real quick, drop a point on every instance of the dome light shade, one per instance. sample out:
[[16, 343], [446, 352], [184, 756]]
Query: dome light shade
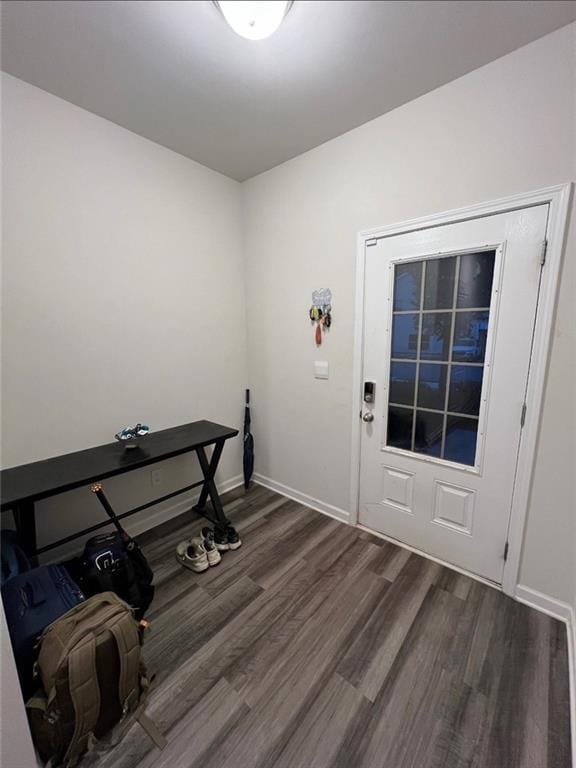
[[254, 19]]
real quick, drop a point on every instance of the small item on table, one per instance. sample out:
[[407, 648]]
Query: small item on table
[[131, 436]]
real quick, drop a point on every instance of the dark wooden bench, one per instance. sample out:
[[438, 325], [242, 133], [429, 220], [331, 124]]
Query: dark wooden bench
[[21, 487]]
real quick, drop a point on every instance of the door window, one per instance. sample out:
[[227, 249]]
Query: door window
[[440, 318]]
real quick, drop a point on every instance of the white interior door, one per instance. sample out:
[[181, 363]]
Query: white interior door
[[448, 323]]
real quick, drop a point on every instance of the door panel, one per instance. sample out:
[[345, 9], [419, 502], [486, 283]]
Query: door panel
[[448, 322]]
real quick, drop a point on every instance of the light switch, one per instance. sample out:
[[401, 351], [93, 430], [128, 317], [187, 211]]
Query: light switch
[[320, 369]]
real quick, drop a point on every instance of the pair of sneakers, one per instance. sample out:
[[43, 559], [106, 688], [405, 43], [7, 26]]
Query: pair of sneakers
[[202, 552]]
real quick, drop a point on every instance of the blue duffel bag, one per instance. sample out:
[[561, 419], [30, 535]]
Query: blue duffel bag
[[13, 561], [32, 601]]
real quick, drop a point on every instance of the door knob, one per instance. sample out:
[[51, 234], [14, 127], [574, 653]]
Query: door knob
[[368, 417]]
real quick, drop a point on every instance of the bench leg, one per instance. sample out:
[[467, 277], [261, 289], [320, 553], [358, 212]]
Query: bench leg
[[209, 488]]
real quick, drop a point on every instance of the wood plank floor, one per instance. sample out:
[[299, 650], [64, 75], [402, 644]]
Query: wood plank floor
[[317, 645]]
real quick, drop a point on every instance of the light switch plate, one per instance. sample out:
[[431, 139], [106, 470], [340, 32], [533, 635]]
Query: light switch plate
[[320, 369]]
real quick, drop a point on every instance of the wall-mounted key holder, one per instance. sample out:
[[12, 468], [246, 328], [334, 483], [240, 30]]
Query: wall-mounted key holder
[[321, 312]]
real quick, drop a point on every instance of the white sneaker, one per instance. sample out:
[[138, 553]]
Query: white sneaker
[[192, 554]]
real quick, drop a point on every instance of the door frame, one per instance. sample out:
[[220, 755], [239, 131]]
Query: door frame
[[558, 198]]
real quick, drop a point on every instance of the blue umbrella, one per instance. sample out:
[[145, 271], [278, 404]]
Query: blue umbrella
[[248, 459]]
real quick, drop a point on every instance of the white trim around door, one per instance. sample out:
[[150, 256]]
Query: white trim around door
[[558, 199]]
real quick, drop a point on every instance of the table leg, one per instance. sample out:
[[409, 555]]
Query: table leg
[[25, 520], [209, 488]]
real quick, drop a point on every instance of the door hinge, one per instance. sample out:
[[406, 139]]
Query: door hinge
[[506, 552], [523, 416], [543, 252], [371, 242]]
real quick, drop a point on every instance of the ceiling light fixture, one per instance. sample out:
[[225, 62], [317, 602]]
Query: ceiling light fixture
[[254, 20]]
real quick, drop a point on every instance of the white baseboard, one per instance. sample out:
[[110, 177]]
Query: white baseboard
[[563, 612], [549, 605], [303, 498], [166, 511]]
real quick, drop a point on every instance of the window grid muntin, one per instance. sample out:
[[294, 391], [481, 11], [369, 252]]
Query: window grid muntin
[[445, 310], [453, 310], [433, 410], [413, 360], [418, 355], [450, 353]]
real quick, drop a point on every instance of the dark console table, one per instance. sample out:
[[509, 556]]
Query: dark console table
[[21, 487]]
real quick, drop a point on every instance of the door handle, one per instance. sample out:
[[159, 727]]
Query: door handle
[[368, 417]]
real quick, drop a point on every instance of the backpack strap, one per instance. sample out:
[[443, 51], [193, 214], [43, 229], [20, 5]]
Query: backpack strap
[[125, 632], [38, 701], [85, 695], [150, 727], [133, 684]]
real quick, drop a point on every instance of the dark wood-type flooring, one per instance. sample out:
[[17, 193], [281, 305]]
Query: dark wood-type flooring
[[317, 645]]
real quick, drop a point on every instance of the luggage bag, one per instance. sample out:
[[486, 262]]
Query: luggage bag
[[113, 562], [13, 561], [32, 601]]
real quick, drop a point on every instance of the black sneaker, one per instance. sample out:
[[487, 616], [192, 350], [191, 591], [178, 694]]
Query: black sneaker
[[226, 539], [234, 540], [221, 539], [212, 552]]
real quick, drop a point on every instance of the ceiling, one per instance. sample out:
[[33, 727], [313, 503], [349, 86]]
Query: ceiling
[[175, 73]]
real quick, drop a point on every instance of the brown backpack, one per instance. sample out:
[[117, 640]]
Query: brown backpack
[[92, 677]]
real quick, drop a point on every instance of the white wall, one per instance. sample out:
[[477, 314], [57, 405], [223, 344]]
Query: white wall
[[503, 129], [123, 296], [16, 750]]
